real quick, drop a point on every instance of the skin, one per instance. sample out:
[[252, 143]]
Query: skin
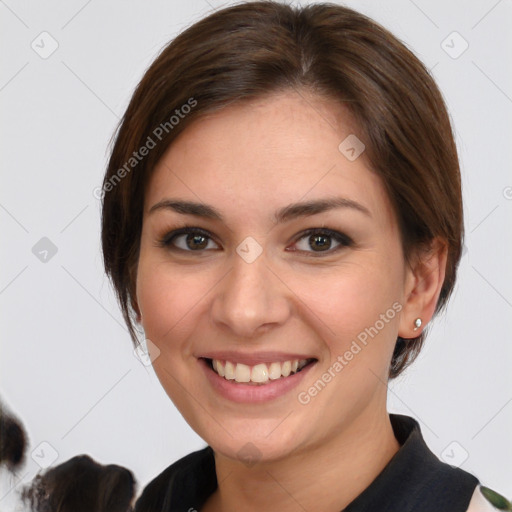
[[248, 160]]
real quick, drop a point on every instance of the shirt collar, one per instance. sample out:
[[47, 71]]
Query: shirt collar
[[413, 480]]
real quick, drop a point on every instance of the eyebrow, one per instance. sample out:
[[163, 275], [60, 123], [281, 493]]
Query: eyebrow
[[292, 211]]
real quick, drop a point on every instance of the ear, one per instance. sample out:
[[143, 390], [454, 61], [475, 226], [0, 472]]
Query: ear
[[423, 283]]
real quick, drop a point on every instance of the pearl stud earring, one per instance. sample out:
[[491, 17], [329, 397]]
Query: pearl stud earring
[[417, 323]]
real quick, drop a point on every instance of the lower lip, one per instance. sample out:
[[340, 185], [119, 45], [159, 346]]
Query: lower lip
[[249, 393]]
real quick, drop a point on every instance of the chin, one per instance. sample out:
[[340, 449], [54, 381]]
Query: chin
[[254, 441]]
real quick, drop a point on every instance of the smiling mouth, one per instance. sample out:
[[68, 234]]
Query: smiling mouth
[[258, 374]]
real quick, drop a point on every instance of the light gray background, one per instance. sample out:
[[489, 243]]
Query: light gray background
[[67, 367]]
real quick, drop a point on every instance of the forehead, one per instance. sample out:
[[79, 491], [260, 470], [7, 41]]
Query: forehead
[[257, 156]]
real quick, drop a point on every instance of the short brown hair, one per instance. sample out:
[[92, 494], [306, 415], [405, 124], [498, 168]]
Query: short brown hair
[[250, 50]]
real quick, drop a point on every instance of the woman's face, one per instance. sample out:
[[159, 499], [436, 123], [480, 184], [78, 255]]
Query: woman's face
[[253, 288]]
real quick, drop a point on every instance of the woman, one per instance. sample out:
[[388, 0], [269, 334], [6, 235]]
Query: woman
[[282, 216]]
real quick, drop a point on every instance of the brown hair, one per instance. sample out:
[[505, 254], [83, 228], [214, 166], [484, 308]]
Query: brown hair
[[256, 48]]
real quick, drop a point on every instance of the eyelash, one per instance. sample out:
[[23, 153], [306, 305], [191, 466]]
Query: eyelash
[[341, 238]]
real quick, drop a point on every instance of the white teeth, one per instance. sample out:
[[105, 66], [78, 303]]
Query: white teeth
[[242, 373], [260, 373], [274, 372], [302, 363], [229, 370]]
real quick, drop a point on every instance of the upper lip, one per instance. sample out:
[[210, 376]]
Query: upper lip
[[252, 359]]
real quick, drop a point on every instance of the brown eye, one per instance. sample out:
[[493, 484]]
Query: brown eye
[[196, 241], [189, 239], [320, 240]]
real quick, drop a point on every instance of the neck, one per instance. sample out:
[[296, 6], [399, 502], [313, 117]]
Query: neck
[[325, 477]]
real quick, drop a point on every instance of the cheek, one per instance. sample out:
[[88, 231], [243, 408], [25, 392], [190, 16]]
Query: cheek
[[167, 300], [347, 300], [356, 314]]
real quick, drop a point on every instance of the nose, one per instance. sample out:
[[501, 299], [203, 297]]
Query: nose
[[250, 299]]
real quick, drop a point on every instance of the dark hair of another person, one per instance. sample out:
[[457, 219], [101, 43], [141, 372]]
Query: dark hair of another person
[[78, 485], [81, 485], [13, 441], [251, 50]]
